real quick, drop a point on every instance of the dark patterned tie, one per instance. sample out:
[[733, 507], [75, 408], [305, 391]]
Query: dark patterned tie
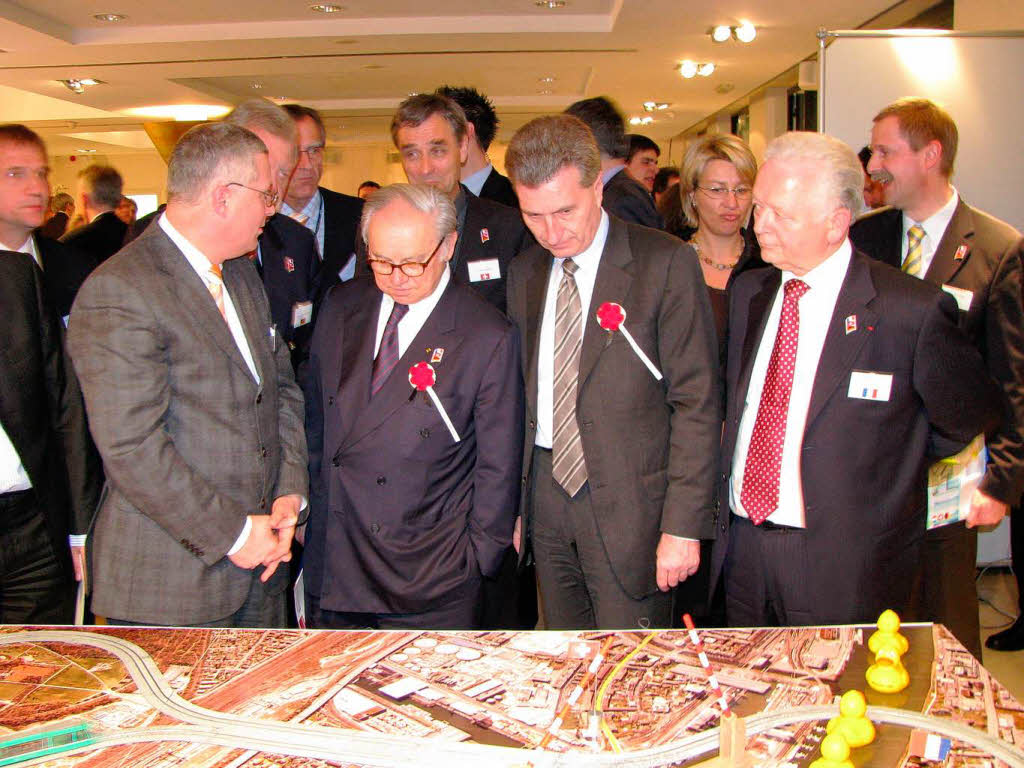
[[760, 494], [568, 466], [387, 356]]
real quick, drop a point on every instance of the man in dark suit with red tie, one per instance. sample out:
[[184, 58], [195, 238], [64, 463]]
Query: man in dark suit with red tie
[[842, 373], [413, 497], [931, 233]]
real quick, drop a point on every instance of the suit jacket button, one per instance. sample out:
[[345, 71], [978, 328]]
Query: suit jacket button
[[424, 432], [375, 528], [335, 462], [263, 452], [330, 400], [381, 480], [263, 503], [524, 479], [533, 424], [259, 398]]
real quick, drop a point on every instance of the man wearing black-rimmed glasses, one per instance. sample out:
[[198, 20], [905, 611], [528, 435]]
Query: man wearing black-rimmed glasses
[[406, 517]]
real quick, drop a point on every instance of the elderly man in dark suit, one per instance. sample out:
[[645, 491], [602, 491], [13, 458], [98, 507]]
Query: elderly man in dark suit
[[332, 217], [618, 479], [624, 196], [408, 512], [286, 257], [62, 207], [932, 234], [49, 476], [103, 234], [192, 403], [842, 373]]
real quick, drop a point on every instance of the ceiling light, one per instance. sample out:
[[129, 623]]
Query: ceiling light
[[89, 81], [550, 4], [688, 68], [181, 112], [545, 92], [110, 18], [326, 8], [546, 79], [705, 69], [85, 151], [77, 85], [721, 33], [256, 86], [655, 106], [745, 32], [645, 120]]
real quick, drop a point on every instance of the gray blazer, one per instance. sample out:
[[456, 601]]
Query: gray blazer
[[191, 444]]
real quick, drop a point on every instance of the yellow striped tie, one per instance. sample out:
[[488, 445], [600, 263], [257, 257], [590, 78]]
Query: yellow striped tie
[[915, 239]]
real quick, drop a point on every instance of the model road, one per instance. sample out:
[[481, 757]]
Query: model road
[[383, 751]]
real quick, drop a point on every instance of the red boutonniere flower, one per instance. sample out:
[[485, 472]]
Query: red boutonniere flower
[[612, 317], [421, 377]]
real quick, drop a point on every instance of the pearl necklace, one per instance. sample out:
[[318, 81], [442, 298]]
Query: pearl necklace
[[721, 266]]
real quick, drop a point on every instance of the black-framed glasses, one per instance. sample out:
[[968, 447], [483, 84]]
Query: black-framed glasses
[[269, 197], [409, 268], [313, 152], [720, 192]]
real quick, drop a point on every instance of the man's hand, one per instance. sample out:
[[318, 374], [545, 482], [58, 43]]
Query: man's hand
[[262, 542], [677, 560], [284, 512], [78, 562], [517, 534], [985, 510]]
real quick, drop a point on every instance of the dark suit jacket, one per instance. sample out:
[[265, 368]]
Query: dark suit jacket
[[101, 238], [290, 271], [991, 269], [64, 270], [41, 406], [863, 464], [140, 224], [341, 234], [651, 447], [191, 442], [499, 189], [56, 226], [401, 514], [628, 199]]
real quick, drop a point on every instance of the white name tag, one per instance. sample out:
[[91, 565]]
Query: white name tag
[[866, 385], [302, 313], [963, 297], [484, 269]]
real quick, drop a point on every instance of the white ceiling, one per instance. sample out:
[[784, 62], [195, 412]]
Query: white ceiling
[[358, 64]]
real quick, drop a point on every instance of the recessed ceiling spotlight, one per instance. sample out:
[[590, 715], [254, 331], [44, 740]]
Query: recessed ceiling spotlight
[[110, 18], [546, 79], [77, 85], [745, 32], [655, 106], [705, 69], [85, 151], [544, 92], [326, 8], [256, 86], [550, 4], [721, 33], [181, 112], [89, 81], [688, 68], [645, 120]]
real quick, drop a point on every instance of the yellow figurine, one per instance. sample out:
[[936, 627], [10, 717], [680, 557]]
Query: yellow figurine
[[835, 753], [852, 723], [887, 674], [888, 634]]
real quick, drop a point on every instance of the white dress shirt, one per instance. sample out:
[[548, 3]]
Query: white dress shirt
[[414, 319], [816, 308], [28, 247], [934, 228], [202, 265], [588, 262], [475, 181]]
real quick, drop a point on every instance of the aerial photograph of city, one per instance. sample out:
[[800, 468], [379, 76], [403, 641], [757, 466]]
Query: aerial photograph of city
[[150, 698]]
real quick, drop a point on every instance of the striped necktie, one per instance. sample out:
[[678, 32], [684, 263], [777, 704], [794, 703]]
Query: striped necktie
[[915, 242], [215, 284], [568, 466], [387, 355]]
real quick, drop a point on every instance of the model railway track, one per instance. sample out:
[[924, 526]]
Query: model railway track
[[384, 751]]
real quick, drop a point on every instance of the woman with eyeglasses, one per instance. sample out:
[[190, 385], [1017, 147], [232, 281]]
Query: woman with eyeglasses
[[715, 190]]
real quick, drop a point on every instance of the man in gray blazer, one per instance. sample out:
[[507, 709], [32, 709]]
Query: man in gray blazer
[[192, 402], [618, 466]]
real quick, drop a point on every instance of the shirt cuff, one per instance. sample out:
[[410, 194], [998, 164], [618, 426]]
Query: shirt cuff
[[242, 537], [77, 539]]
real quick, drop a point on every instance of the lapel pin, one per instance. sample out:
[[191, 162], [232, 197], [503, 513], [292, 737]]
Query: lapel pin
[[611, 317], [851, 324], [438, 354], [484, 235], [289, 264], [422, 379], [961, 252]]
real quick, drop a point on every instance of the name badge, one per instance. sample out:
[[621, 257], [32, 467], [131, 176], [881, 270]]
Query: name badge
[[963, 297], [867, 385], [302, 313], [484, 269]]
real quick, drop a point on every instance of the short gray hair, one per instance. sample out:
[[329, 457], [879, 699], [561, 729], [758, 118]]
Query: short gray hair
[[835, 160], [60, 201], [265, 116], [104, 184], [208, 152], [546, 145], [421, 197]]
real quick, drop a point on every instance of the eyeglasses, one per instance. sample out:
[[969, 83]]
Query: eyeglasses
[[269, 197], [718, 193], [409, 268], [314, 152]]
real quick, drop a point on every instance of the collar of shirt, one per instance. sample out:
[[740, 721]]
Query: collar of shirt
[[607, 175], [828, 276], [28, 247], [414, 319], [475, 181], [934, 228], [311, 209]]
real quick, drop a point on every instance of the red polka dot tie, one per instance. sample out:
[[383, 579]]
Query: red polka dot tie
[[760, 494]]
